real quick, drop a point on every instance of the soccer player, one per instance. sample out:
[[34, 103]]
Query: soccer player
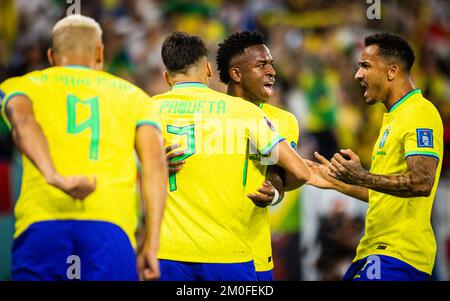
[[399, 243], [246, 66], [204, 234], [87, 122]]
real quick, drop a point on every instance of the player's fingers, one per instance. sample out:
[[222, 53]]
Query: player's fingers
[[260, 200], [171, 147], [338, 157], [174, 169], [333, 168], [175, 154], [176, 163], [333, 174], [351, 154], [269, 191], [321, 158], [334, 163], [311, 163]]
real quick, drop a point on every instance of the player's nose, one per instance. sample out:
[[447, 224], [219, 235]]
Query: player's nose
[[359, 74]]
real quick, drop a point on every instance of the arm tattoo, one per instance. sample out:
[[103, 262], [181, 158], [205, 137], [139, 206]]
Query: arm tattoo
[[417, 181]]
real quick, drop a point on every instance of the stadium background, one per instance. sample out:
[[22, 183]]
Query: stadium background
[[315, 44]]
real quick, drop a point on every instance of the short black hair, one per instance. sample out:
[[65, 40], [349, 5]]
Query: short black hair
[[392, 47], [180, 50], [233, 45]]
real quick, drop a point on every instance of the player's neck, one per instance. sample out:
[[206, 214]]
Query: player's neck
[[181, 78], [237, 91], [76, 61], [394, 95]]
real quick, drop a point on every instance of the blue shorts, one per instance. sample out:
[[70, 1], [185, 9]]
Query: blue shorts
[[193, 271], [383, 268], [265, 276], [73, 250]]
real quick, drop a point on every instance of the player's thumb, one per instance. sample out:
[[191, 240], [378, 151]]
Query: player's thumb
[[349, 153]]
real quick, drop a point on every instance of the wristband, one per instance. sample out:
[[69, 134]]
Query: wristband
[[276, 198]]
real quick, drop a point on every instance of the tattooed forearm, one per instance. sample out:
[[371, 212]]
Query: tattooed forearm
[[417, 181]]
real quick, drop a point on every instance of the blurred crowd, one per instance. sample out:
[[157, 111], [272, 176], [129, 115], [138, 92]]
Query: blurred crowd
[[315, 45]]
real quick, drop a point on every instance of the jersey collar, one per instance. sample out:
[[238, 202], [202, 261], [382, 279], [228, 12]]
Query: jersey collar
[[77, 67], [403, 99], [189, 85]]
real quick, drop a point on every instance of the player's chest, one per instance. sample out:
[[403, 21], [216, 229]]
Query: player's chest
[[388, 148]]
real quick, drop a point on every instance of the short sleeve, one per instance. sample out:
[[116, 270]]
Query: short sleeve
[[423, 137], [291, 130], [146, 112], [262, 133], [8, 89]]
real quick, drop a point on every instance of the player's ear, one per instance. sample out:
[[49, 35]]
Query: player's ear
[[235, 74], [208, 70], [167, 78], [99, 57], [392, 73], [50, 57]]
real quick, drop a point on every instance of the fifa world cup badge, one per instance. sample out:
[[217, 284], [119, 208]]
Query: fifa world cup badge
[[385, 135]]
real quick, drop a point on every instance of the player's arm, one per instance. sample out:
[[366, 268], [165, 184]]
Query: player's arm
[[322, 179], [154, 174], [297, 171], [417, 181], [271, 192], [31, 141]]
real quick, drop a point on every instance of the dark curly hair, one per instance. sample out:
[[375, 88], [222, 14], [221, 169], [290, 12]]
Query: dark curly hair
[[232, 46], [392, 48], [180, 50]]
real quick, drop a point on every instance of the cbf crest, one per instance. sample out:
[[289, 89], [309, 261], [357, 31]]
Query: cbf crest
[[385, 135]]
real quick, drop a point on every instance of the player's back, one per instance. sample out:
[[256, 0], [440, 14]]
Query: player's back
[[89, 119], [206, 214]]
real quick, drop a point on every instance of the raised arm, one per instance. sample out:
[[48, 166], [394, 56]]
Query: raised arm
[[154, 174], [417, 181], [31, 141], [321, 179]]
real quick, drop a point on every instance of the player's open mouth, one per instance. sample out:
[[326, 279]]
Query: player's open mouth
[[365, 87], [268, 87]]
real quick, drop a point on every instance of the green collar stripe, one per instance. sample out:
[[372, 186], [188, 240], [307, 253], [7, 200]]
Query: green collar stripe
[[261, 105], [271, 145], [77, 67], [421, 153], [403, 99], [189, 85], [149, 122]]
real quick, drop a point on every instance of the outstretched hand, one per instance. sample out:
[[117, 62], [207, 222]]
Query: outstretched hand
[[78, 187], [320, 177], [265, 196], [172, 156], [348, 170]]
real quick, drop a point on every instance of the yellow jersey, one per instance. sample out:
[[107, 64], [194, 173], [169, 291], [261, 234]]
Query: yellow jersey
[[206, 215], [259, 226], [89, 118], [395, 226]]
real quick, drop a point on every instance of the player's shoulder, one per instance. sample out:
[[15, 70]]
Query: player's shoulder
[[420, 107], [421, 111], [22, 82], [276, 112]]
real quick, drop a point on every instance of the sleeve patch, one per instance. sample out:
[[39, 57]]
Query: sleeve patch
[[269, 124], [2, 95], [424, 138], [294, 145]]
